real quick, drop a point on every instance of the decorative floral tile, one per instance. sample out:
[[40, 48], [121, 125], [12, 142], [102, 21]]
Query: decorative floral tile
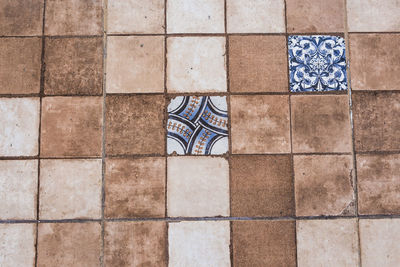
[[197, 125], [317, 63]]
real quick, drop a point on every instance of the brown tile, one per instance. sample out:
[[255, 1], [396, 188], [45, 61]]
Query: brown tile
[[321, 124], [135, 187], [135, 244], [20, 63], [69, 244], [376, 121], [266, 191], [311, 16], [134, 125], [324, 185], [258, 64], [378, 184], [21, 17], [71, 126], [264, 243], [73, 17], [74, 66], [260, 124], [373, 67]]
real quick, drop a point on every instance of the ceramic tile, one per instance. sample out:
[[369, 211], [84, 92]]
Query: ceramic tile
[[199, 244], [200, 189], [197, 125], [135, 64], [196, 64], [19, 120]]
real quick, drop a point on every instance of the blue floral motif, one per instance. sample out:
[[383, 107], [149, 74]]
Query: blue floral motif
[[317, 63]]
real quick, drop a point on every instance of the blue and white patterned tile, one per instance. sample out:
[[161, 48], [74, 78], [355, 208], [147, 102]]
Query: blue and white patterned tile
[[197, 125], [317, 63]]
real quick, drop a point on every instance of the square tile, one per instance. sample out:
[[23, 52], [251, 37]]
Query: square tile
[[199, 244], [376, 121], [74, 66], [17, 246], [196, 64], [329, 243], [19, 120], [135, 187], [324, 185], [263, 192], [321, 124], [378, 182], [199, 189], [197, 125], [255, 16], [258, 63], [260, 124], [264, 243], [18, 187], [135, 244], [317, 63], [70, 189], [375, 61], [192, 16], [135, 16], [71, 126], [20, 63], [73, 17], [69, 244], [134, 124], [135, 64]]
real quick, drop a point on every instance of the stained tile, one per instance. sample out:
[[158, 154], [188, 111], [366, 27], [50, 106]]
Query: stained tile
[[258, 63], [135, 16], [134, 125], [73, 17], [71, 126], [324, 185], [135, 187], [261, 191], [327, 243], [264, 243], [192, 16], [199, 189], [20, 65], [196, 64], [135, 244], [256, 16], [260, 124], [19, 120], [74, 66], [375, 61], [197, 125], [135, 64], [70, 189], [376, 121], [321, 124], [198, 244], [378, 184], [69, 244]]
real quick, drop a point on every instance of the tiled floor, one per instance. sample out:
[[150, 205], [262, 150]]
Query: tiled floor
[[200, 133]]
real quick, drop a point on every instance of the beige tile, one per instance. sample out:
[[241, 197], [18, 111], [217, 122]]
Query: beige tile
[[196, 64], [199, 189], [70, 189], [193, 16], [255, 16], [327, 243], [135, 64], [19, 120], [17, 245], [199, 244]]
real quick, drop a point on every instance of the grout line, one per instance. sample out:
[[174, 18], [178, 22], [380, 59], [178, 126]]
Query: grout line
[[165, 122]]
